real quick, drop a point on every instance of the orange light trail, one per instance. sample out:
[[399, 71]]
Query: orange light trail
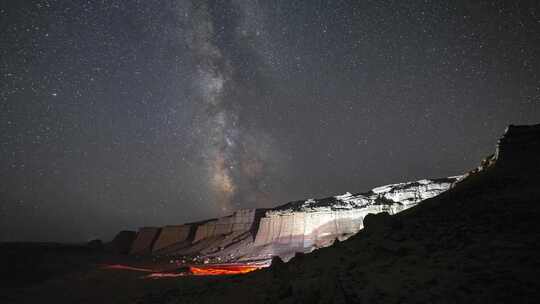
[[222, 270], [206, 270]]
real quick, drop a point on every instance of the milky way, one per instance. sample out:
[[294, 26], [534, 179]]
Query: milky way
[[122, 114], [233, 157]]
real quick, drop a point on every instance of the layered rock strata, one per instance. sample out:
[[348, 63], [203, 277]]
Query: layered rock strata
[[303, 226], [299, 226], [476, 243], [239, 222], [171, 235], [144, 241]]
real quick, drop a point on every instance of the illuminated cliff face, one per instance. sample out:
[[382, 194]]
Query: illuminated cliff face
[[307, 225], [300, 226]]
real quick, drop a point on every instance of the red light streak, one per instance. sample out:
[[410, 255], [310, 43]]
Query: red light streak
[[202, 270], [222, 269]]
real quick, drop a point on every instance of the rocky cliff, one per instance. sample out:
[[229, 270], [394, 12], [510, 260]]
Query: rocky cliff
[[475, 243], [300, 226], [517, 150]]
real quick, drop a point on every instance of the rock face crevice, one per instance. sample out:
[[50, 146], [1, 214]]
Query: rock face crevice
[[299, 226]]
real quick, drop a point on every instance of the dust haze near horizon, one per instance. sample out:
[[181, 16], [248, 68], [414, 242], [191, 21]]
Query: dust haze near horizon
[[122, 114]]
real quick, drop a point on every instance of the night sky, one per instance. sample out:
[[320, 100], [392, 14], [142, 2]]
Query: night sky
[[120, 114]]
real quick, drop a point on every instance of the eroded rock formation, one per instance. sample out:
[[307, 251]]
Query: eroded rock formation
[[299, 226], [476, 243], [171, 235], [143, 243], [303, 226]]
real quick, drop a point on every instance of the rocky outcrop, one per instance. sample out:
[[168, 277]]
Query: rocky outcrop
[[240, 221], [146, 237], [299, 226], [515, 153], [303, 226], [475, 243], [171, 235], [517, 150]]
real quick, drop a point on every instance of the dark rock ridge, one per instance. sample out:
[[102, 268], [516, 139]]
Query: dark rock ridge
[[475, 243], [517, 150], [300, 226]]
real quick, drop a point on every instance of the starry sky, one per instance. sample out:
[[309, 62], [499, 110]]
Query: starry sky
[[120, 114]]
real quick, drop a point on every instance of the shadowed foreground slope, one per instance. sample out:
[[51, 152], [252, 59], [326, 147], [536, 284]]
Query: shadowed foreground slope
[[476, 243]]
